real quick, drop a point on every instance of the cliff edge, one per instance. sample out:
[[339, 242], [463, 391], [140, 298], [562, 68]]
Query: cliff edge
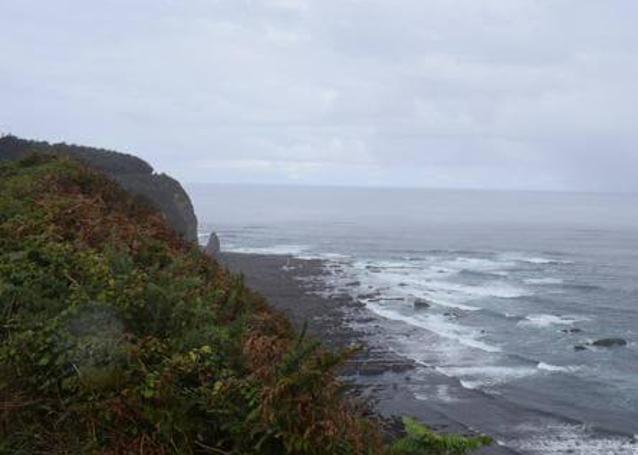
[[133, 174]]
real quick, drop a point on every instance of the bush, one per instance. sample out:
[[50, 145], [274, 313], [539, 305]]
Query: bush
[[420, 440], [116, 336]]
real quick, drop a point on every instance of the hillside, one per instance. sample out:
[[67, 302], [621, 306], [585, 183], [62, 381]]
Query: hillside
[[117, 336], [132, 173]]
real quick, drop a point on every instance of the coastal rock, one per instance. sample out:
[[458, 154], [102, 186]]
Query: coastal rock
[[134, 175], [213, 247], [609, 343], [454, 314], [580, 347], [421, 304], [372, 296]]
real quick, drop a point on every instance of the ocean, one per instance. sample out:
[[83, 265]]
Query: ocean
[[503, 291]]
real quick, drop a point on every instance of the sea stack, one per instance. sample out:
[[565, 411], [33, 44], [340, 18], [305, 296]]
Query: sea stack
[[213, 247]]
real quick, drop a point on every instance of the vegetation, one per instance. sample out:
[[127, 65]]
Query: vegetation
[[116, 336], [132, 173], [422, 440]]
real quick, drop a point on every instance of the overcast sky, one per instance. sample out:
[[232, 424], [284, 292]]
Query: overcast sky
[[529, 94]]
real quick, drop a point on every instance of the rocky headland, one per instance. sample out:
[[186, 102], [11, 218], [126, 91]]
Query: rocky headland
[[132, 173]]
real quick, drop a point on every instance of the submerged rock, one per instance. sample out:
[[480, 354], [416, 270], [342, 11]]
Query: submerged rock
[[580, 347], [609, 342], [572, 331]]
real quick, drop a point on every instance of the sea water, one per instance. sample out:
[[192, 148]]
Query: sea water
[[515, 282]]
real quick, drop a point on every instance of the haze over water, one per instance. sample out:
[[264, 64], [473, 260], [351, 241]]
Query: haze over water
[[515, 281]]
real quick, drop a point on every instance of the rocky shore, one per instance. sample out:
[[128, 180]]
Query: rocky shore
[[386, 380]]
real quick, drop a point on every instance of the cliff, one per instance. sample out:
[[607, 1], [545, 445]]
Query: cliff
[[118, 336], [132, 173]]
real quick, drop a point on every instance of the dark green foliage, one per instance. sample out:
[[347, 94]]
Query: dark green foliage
[[420, 440], [116, 336]]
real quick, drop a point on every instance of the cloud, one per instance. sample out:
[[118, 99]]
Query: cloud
[[532, 94]]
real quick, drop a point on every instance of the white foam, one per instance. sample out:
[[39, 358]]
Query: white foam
[[485, 376], [432, 282], [546, 320], [438, 325], [543, 281], [454, 305], [476, 264], [471, 385], [490, 289], [573, 439], [555, 368], [537, 260], [278, 250], [325, 256]]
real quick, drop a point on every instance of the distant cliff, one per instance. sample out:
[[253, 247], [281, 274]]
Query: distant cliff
[[134, 174]]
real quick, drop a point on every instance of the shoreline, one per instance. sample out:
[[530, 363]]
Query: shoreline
[[393, 385], [382, 378]]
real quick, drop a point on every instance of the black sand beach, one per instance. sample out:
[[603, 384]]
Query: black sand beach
[[386, 380]]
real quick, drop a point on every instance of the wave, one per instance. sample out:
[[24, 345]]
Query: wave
[[570, 438], [555, 368], [437, 324], [497, 289], [546, 320], [476, 264], [486, 376], [542, 281], [536, 260], [277, 250], [482, 274]]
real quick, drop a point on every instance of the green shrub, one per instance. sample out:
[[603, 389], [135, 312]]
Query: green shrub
[[420, 440], [116, 336]]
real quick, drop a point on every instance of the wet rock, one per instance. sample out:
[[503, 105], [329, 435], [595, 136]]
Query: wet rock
[[342, 298], [453, 314], [572, 331], [609, 343], [580, 347], [421, 304], [372, 296]]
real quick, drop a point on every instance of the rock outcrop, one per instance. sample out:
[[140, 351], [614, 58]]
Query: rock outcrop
[[609, 343], [421, 304], [213, 247], [134, 174]]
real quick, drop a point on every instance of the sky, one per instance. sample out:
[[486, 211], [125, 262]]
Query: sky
[[489, 94]]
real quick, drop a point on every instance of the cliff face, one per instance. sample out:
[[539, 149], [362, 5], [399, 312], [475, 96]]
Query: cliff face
[[132, 173]]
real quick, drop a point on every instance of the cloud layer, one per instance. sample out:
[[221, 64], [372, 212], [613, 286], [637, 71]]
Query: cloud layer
[[530, 94]]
